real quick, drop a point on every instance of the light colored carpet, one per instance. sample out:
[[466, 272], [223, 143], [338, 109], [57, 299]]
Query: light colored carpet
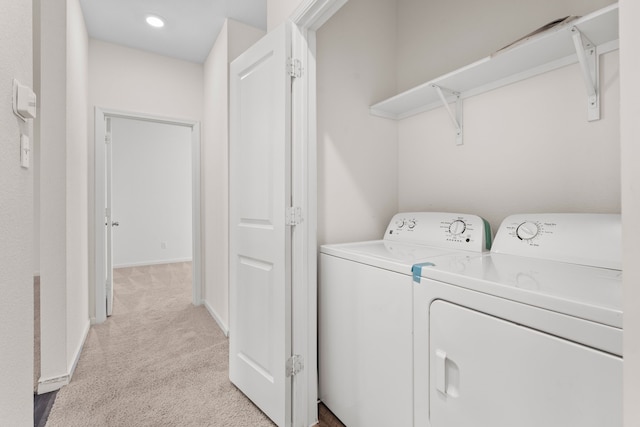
[[158, 361]]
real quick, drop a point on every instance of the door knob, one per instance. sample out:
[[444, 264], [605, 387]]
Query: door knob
[[115, 224]]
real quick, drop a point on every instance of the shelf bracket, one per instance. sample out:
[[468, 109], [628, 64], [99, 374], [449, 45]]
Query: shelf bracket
[[588, 60], [455, 118]]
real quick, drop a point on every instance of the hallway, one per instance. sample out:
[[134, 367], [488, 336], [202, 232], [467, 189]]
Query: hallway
[[158, 361]]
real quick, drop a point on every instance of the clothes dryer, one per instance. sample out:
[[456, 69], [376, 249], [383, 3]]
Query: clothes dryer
[[365, 317], [528, 335]]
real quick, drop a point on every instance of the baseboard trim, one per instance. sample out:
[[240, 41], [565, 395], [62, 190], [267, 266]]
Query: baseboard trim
[[52, 384], [221, 324], [156, 262], [56, 383]]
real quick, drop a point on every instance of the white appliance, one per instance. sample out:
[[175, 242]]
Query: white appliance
[[365, 314], [528, 335]]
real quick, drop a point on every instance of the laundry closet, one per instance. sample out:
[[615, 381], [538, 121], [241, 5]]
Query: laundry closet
[[526, 147]]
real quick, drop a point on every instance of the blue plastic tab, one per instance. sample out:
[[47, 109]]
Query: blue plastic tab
[[417, 270]]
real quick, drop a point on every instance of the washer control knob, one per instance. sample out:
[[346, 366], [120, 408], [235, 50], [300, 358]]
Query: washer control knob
[[527, 230], [457, 227], [400, 223], [412, 223]]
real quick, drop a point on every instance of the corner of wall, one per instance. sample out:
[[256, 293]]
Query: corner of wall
[[214, 178], [221, 324], [241, 37], [53, 186], [355, 68], [77, 76], [16, 227], [234, 38]]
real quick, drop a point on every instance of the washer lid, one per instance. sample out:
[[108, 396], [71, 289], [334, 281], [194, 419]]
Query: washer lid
[[586, 292], [390, 255]]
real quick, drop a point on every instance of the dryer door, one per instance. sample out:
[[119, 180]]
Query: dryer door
[[487, 372]]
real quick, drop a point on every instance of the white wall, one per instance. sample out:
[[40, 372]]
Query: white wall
[[279, 11], [151, 192], [358, 56], [527, 148], [36, 138], [76, 183], [131, 80], [63, 191], [234, 38], [53, 245], [215, 179], [357, 152], [630, 135], [16, 227], [435, 37], [241, 37]]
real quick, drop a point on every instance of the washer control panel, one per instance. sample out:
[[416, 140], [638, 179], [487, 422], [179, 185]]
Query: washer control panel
[[587, 239], [440, 229]]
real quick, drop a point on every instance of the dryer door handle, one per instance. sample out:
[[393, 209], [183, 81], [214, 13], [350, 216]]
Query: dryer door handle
[[441, 371]]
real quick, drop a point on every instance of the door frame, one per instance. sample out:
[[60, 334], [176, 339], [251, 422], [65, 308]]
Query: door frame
[[101, 114], [306, 19]]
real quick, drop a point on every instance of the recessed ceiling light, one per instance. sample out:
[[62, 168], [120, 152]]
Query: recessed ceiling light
[[155, 21]]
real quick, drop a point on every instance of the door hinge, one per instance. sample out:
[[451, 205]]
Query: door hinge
[[107, 138], [293, 216], [294, 67], [295, 365]]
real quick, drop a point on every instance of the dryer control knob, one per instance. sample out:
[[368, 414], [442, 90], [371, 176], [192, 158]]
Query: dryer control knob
[[412, 223], [400, 223], [527, 230], [457, 227]]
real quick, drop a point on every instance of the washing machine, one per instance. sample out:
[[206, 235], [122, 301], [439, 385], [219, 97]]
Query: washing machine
[[527, 335], [365, 318]]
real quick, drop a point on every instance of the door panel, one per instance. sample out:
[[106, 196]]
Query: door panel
[[255, 288], [485, 371], [260, 242]]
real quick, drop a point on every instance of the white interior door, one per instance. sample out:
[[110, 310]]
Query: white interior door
[[260, 241], [108, 224]]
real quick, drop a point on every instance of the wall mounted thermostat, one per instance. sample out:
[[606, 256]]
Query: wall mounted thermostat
[[24, 101]]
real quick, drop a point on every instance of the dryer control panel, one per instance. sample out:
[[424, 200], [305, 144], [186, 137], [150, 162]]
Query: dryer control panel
[[587, 239], [440, 229]]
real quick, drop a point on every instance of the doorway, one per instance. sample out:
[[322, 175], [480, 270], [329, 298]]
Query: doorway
[[151, 193], [151, 200], [137, 221]]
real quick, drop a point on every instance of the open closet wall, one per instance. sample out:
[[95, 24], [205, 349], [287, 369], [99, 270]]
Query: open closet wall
[[357, 152], [527, 146]]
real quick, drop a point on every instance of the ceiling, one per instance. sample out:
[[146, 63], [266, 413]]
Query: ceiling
[[191, 26]]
